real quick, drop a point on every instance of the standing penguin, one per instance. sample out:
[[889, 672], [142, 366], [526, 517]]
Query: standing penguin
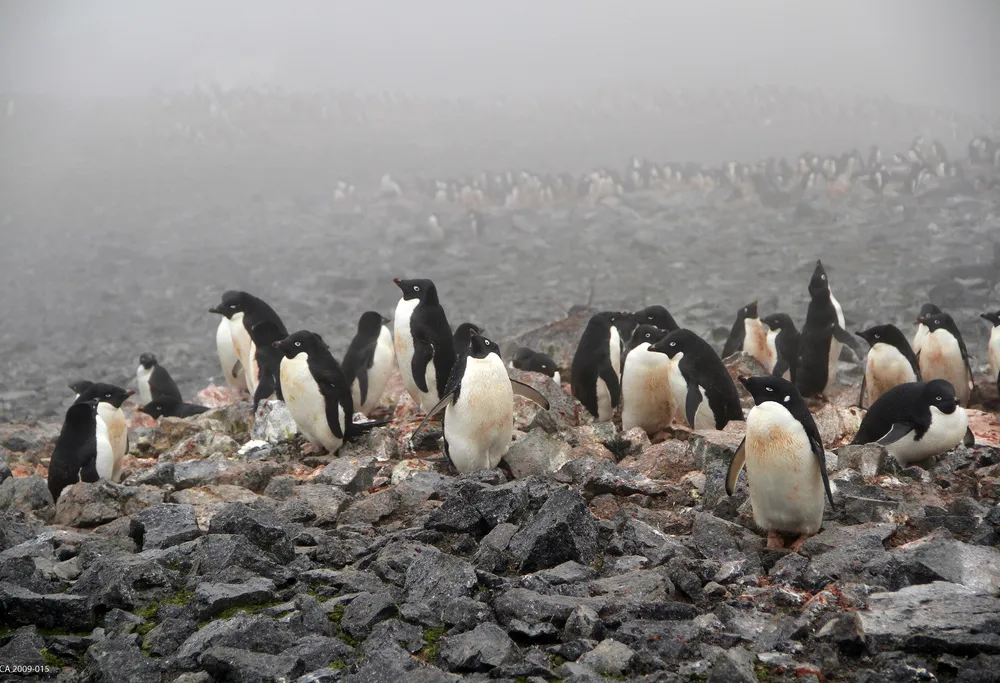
[[921, 334], [243, 312], [943, 355], [369, 361], [647, 400], [154, 381], [704, 392], [463, 336], [425, 348], [111, 429], [916, 421], [80, 386], [890, 362], [994, 319], [596, 368], [266, 361], [75, 454], [478, 407], [750, 335], [821, 338], [782, 345], [785, 461], [232, 369], [657, 316]]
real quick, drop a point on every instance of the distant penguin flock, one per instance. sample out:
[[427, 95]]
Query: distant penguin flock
[[640, 367]]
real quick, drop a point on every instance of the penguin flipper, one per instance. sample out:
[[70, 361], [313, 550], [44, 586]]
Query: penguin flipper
[[692, 402], [780, 368], [529, 392], [88, 472], [846, 338], [735, 467], [237, 370], [362, 378], [969, 439], [820, 453], [438, 407], [423, 353], [861, 395], [610, 378], [898, 431]]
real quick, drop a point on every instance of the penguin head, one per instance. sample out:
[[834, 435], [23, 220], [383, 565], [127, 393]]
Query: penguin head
[[819, 284], [928, 310], [82, 412], [465, 331], [937, 321], [481, 347], [265, 333], [80, 386], [648, 334], [105, 393], [233, 302], [302, 341], [656, 315], [155, 409], [993, 317], [147, 360], [769, 388], [422, 290], [749, 311], [940, 394], [779, 321], [882, 334], [626, 323], [678, 341], [370, 323]]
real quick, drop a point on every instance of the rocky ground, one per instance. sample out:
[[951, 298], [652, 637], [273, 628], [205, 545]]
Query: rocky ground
[[226, 554]]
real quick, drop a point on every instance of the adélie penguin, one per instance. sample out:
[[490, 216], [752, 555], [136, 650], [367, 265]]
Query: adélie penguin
[[921, 332], [74, 457], [785, 462], [704, 392], [369, 361], [111, 429], [916, 421], [783, 345], [647, 400], [171, 407], [316, 391], [596, 370], [749, 335], [529, 360], [243, 311], [478, 407], [267, 361], [80, 386], [656, 315], [153, 380], [994, 346], [943, 355], [232, 369], [463, 335], [821, 338], [890, 362], [425, 347]]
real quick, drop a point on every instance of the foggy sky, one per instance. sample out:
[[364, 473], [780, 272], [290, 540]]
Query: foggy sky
[[918, 51]]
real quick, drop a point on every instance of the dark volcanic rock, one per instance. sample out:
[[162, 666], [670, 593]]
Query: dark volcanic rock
[[15, 528], [24, 648], [366, 610], [261, 527], [128, 581], [5, 472], [597, 476], [30, 494], [562, 530], [242, 631], [219, 554], [214, 598], [485, 647], [119, 659], [433, 577], [231, 664], [88, 505], [536, 453], [457, 515], [939, 558], [163, 526], [19, 606], [351, 474]]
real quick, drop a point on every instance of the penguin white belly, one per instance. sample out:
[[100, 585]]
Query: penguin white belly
[[678, 387], [403, 338], [605, 412], [772, 350], [647, 400], [307, 404], [478, 426], [142, 376], [786, 486], [995, 353], [105, 453], [941, 358], [755, 342], [886, 368], [918, 337], [252, 373], [946, 432], [228, 357], [615, 350], [383, 362], [242, 342], [835, 346], [117, 434]]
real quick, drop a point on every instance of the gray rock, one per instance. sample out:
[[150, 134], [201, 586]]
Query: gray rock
[[260, 526], [215, 598], [366, 610], [937, 617], [583, 622], [562, 530], [19, 606], [163, 526], [319, 651], [30, 494], [484, 648], [853, 553], [597, 476], [491, 555], [531, 607], [372, 508], [846, 632], [168, 635], [15, 528], [207, 445], [231, 664], [733, 665], [119, 659], [24, 648], [435, 576], [639, 538], [500, 504], [243, 631], [939, 558], [5, 472], [128, 581], [536, 453], [254, 476], [273, 423], [609, 658], [456, 516], [323, 502], [870, 459], [567, 572], [86, 505], [224, 554], [351, 474]]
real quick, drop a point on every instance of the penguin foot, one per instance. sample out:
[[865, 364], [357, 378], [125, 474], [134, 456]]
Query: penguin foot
[[797, 543], [774, 540], [309, 448]]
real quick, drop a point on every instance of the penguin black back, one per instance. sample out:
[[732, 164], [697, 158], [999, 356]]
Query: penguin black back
[[161, 384], [254, 310], [80, 386], [593, 362], [433, 340], [264, 334], [906, 404], [735, 341], [534, 361], [891, 335], [463, 336], [821, 327], [360, 355], [169, 407], [786, 344], [75, 453]]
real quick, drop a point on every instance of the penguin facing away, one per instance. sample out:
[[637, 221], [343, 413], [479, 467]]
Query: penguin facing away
[[111, 428], [943, 355], [994, 346], [80, 386], [921, 334], [169, 407], [596, 368], [478, 407], [916, 421], [658, 316], [369, 361], [785, 462], [74, 457], [821, 338], [782, 345], [704, 392], [890, 362], [154, 381], [267, 361], [243, 311], [425, 347], [647, 399], [232, 369]]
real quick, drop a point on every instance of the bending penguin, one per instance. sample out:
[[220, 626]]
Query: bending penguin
[[749, 334], [782, 345], [478, 407], [821, 338], [994, 350], [153, 380], [111, 430], [890, 362], [596, 368], [704, 392], [647, 399], [232, 369], [74, 457], [943, 355], [243, 312], [535, 361], [425, 347], [369, 361], [785, 462], [916, 421]]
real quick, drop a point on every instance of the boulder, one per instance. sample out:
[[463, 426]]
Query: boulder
[[88, 505], [563, 529], [163, 526]]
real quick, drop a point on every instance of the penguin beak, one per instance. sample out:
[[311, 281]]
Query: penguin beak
[[385, 321], [215, 309], [130, 393], [275, 345], [921, 320], [744, 380], [396, 281], [860, 334]]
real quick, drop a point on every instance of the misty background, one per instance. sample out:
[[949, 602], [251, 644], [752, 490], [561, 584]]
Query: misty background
[[153, 155]]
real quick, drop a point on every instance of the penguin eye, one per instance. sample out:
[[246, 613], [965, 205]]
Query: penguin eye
[[298, 343], [787, 399], [486, 341], [769, 388], [673, 343], [822, 277], [647, 335], [232, 306], [878, 336], [938, 398], [108, 395]]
